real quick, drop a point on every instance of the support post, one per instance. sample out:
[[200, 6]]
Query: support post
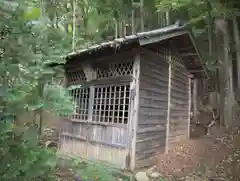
[[194, 100], [134, 86], [189, 105], [169, 100]]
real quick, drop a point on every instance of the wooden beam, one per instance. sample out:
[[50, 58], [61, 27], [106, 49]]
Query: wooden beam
[[186, 49], [196, 70], [188, 54], [169, 101], [74, 65], [155, 39], [196, 49], [123, 79], [189, 105], [133, 125], [194, 100], [98, 142]]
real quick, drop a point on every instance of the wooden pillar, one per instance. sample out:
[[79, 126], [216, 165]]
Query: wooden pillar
[[189, 104], [194, 100], [169, 101], [134, 86]]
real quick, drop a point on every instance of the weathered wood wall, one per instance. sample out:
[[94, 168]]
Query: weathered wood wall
[[95, 142], [100, 128], [153, 101], [130, 145], [179, 119]]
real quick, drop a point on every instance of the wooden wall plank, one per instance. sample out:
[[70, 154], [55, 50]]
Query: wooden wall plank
[[151, 133], [95, 134], [179, 99]]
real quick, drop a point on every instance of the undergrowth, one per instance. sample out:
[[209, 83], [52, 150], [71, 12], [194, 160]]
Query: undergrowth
[[93, 171], [22, 159]]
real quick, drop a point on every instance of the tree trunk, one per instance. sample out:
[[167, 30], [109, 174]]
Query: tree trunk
[[42, 9], [67, 24], [133, 19], [40, 111], [120, 29], [74, 24], [229, 95], [167, 14], [142, 15], [210, 37], [221, 92], [124, 28], [116, 29], [221, 80], [237, 47]]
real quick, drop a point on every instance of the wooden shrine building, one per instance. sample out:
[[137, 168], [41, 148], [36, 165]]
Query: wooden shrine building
[[135, 97]]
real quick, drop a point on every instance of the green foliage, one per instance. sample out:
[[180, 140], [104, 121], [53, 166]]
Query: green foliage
[[57, 100], [93, 171], [21, 156], [26, 85], [200, 15], [26, 51], [33, 14]]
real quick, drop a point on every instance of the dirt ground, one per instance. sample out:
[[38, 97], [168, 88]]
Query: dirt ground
[[215, 157]]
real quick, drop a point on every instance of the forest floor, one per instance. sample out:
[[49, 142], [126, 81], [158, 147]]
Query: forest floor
[[215, 157]]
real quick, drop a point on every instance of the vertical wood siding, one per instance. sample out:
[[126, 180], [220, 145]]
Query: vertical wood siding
[[153, 101], [179, 110], [97, 142], [99, 126]]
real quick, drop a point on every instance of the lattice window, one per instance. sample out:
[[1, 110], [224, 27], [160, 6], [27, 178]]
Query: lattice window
[[78, 75], [115, 69], [111, 104], [81, 103], [175, 60]]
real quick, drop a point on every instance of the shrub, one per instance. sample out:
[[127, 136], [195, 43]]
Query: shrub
[[22, 159], [92, 171]]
